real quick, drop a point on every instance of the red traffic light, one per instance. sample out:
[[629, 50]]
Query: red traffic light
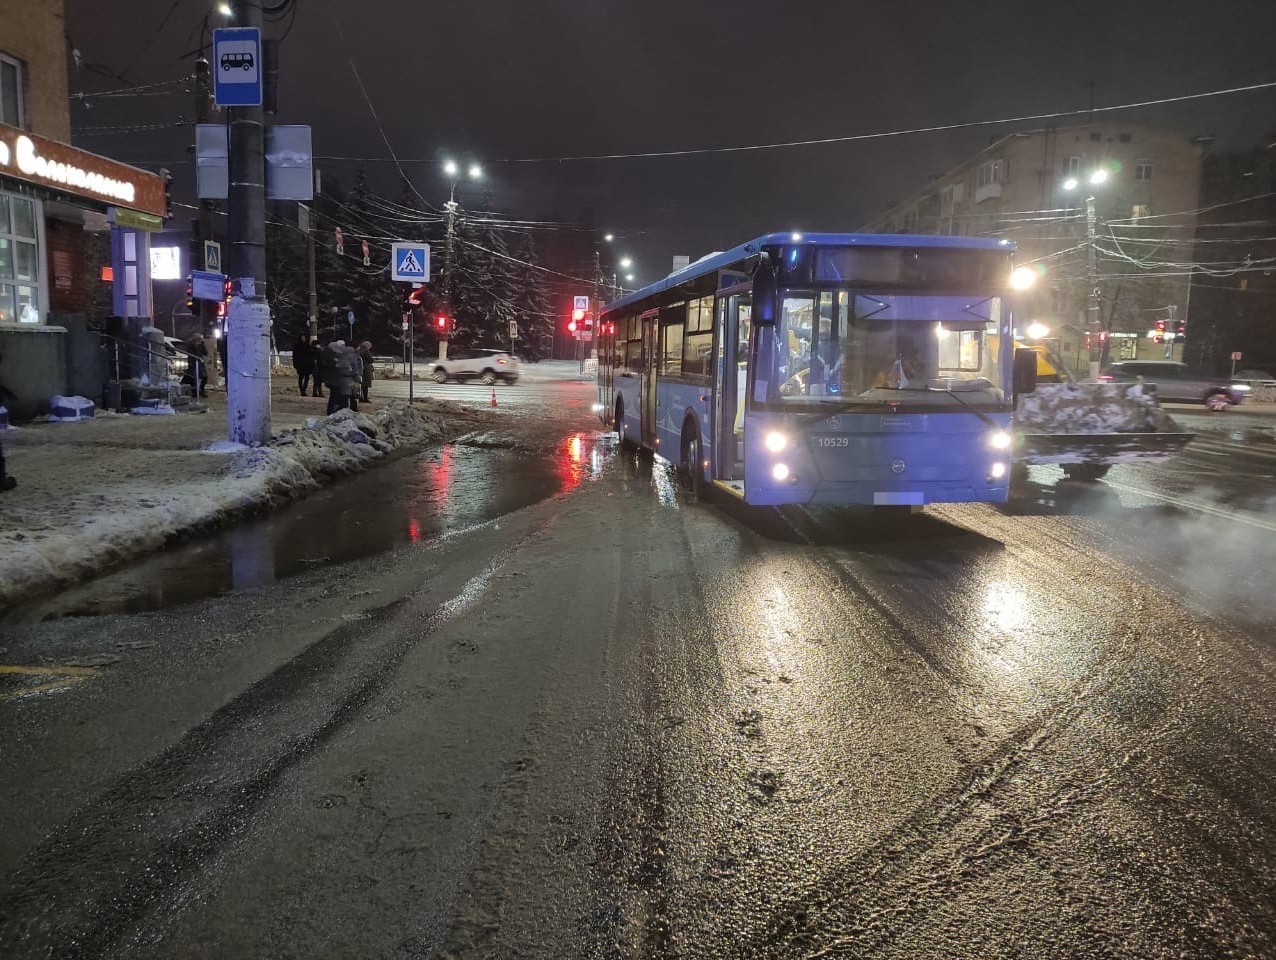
[[440, 322], [571, 327], [578, 315]]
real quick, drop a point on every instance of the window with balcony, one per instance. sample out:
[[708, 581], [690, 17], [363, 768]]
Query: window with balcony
[[989, 178], [10, 91]]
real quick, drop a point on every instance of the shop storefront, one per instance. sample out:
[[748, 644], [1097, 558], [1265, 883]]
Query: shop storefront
[[74, 248]]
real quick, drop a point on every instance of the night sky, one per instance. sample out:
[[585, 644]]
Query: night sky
[[499, 81]]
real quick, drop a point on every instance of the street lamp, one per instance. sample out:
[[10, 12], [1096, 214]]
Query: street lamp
[[225, 10], [1097, 178], [1023, 278], [626, 263], [629, 278], [609, 237], [1037, 330], [453, 172]]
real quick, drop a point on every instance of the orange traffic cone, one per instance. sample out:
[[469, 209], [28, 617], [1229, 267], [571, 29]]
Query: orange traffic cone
[[493, 401]]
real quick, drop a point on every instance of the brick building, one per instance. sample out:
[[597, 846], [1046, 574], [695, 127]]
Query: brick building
[[63, 212]]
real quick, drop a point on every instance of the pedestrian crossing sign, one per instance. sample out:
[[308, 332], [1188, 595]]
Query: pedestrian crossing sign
[[411, 262]]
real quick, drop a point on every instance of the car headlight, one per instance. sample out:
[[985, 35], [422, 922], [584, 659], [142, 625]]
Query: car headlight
[[775, 441], [1000, 440], [780, 472], [1241, 387], [997, 470]]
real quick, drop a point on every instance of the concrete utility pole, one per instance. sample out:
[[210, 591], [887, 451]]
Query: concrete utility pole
[[449, 249], [207, 208], [1092, 273], [248, 319], [310, 265]]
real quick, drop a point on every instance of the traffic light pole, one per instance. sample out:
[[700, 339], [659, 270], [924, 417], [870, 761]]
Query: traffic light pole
[[248, 317]]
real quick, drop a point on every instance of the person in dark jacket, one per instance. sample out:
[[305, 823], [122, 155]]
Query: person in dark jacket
[[221, 353], [303, 361], [316, 355], [365, 354]]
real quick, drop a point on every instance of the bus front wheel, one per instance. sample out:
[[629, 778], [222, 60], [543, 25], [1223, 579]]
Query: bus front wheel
[[625, 442], [693, 462]]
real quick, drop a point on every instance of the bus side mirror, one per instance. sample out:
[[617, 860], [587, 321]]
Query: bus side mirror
[[764, 289], [1024, 379]]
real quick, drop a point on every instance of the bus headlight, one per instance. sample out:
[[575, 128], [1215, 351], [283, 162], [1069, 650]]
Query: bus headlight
[[780, 472], [1000, 440], [775, 442], [997, 470]]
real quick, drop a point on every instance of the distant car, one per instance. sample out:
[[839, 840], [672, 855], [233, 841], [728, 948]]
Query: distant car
[[483, 365], [1179, 383]]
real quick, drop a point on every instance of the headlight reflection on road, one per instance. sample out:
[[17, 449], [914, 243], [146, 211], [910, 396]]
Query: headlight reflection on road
[[1006, 607]]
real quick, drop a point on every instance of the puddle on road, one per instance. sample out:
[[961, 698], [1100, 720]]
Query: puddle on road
[[409, 501]]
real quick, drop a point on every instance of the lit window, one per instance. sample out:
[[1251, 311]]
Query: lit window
[[19, 260], [10, 91], [1143, 170]]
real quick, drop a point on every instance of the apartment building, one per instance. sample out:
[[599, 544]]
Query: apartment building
[[1031, 187]]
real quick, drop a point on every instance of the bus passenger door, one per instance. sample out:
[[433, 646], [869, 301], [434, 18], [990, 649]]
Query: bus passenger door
[[734, 311], [650, 361]]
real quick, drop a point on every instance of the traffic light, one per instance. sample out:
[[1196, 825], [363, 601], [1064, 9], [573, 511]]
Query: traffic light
[[191, 306], [571, 326], [441, 322], [577, 316]]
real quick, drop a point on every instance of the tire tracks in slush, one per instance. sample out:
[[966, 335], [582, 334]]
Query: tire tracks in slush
[[120, 856]]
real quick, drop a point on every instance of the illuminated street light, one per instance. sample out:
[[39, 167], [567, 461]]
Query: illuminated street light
[[475, 171], [1022, 278], [225, 10], [609, 237], [1071, 183], [1099, 176], [450, 168], [626, 263], [629, 278], [1037, 330]]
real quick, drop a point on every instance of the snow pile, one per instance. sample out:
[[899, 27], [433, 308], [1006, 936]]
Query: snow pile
[[1072, 408], [83, 542], [69, 409]]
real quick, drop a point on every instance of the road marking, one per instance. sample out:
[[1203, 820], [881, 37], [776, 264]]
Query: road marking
[[61, 678], [1195, 505]]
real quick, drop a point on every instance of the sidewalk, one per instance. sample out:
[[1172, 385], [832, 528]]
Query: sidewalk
[[94, 493]]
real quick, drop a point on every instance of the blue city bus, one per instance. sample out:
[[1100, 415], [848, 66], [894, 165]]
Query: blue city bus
[[822, 369]]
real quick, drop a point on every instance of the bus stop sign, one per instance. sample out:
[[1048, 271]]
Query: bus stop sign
[[236, 67]]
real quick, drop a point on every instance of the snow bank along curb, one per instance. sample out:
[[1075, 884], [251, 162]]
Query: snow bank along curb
[[290, 465]]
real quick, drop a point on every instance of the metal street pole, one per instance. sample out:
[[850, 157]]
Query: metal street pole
[[1092, 270], [204, 221], [248, 317], [310, 266]]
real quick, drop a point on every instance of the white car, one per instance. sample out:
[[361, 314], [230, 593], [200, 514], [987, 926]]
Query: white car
[[485, 366]]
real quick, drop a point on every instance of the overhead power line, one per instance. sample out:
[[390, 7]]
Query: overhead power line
[[851, 138]]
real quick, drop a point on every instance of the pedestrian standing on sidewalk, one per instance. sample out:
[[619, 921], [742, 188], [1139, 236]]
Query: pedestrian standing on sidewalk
[[221, 353], [365, 354], [341, 377], [316, 357], [303, 361], [351, 362]]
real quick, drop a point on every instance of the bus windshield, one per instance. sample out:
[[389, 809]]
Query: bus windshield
[[849, 349]]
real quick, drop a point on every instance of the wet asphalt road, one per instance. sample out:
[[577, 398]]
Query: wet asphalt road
[[616, 723]]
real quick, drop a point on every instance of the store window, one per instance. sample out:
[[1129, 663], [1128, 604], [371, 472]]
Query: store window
[[19, 260], [10, 91]]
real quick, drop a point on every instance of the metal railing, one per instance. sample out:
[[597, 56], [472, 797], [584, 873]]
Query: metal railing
[[160, 367]]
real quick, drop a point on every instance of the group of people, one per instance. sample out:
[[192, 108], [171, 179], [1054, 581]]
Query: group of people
[[345, 370]]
